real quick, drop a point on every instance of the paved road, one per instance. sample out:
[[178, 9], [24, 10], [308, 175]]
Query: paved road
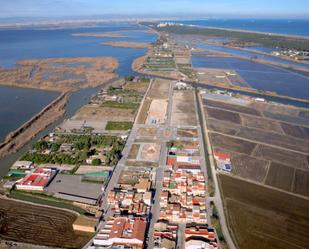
[[217, 198]]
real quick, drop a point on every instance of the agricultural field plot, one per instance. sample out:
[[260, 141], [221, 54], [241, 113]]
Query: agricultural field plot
[[301, 183], [249, 167], [261, 123], [222, 127], [223, 115], [282, 156], [34, 224], [280, 176], [264, 147], [183, 112], [232, 144], [190, 133], [132, 177], [104, 114], [159, 89], [263, 217], [231, 107]]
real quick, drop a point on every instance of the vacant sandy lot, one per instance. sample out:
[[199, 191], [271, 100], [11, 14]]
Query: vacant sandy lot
[[157, 112], [183, 112]]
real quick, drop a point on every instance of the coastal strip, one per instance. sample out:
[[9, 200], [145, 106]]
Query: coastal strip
[[18, 138], [127, 44]]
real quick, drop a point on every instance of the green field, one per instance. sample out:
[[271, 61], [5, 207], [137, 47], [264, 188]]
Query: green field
[[118, 126], [264, 218], [113, 104]]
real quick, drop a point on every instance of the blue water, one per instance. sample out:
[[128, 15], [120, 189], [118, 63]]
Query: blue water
[[288, 27], [248, 54], [51, 43], [261, 76], [18, 105]]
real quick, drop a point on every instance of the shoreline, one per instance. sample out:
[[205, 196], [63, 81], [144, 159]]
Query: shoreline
[[16, 139]]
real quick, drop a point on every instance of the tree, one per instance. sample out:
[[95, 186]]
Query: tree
[[96, 162]]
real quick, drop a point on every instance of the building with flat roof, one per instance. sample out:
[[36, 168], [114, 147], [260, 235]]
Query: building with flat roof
[[122, 231], [38, 180]]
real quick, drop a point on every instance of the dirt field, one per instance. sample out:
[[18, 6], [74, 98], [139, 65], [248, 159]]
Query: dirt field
[[38, 225], [261, 123], [301, 183], [274, 139], [265, 218], [157, 112], [187, 133], [104, 113], [183, 112], [282, 156], [262, 141], [134, 151], [222, 127], [295, 131], [232, 144], [249, 167], [159, 89], [229, 107], [147, 132], [223, 115], [141, 119], [149, 152], [280, 176]]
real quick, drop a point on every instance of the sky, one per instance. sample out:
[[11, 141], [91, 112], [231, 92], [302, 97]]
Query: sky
[[159, 8]]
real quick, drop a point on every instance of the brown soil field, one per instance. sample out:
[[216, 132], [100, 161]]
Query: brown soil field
[[295, 131], [301, 182], [141, 164], [274, 139], [287, 118], [140, 87], [261, 123], [104, 113], [230, 107], [280, 176], [18, 138], [157, 111], [222, 127], [23, 222], [147, 132], [191, 133], [127, 44], [232, 144], [264, 218], [150, 152], [183, 112], [249, 167], [159, 89], [223, 115], [134, 151], [58, 74], [141, 119], [103, 35], [282, 156]]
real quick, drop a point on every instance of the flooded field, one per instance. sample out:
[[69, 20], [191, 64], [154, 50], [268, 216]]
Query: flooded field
[[261, 76]]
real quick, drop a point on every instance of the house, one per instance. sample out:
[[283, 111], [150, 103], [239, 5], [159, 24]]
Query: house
[[25, 165]]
